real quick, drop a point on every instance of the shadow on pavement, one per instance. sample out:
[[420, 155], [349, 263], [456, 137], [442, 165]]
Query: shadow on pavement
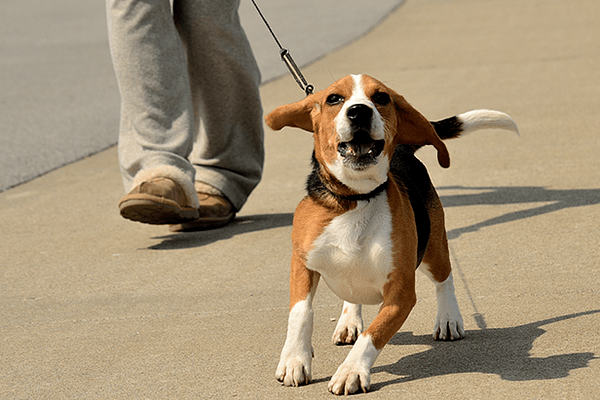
[[239, 226], [500, 351], [558, 199]]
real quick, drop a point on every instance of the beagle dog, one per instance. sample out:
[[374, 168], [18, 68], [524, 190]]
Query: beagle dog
[[370, 219]]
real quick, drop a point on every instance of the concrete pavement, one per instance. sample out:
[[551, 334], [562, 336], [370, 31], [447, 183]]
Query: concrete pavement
[[93, 306]]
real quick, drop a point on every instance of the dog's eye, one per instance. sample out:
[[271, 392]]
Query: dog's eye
[[334, 99], [381, 98]]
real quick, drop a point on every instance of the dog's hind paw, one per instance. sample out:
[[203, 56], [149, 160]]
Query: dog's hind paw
[[349, 326], [448, 322], [346, 334], [449, 329]]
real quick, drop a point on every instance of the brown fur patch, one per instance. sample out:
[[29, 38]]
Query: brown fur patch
[[437, 256], [302, 280]]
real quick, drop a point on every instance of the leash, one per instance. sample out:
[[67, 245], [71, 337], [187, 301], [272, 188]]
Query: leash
[[287, 59]]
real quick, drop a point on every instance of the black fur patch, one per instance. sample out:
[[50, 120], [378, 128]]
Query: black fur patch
[[411, 175], [314, 185], [448, 128]]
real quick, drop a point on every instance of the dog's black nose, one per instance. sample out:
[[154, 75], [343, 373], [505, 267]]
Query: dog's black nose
[[360, 115]]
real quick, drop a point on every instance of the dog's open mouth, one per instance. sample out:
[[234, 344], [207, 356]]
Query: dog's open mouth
[[362, 151]]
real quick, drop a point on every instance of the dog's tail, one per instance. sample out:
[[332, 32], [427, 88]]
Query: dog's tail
[[470, 121]]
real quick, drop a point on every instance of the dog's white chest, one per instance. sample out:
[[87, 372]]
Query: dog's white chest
[[354, 252]]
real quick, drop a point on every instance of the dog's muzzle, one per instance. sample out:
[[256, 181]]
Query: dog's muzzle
[[362, 151]]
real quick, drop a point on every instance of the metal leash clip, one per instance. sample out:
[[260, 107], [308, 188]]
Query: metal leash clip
[[286, 57]]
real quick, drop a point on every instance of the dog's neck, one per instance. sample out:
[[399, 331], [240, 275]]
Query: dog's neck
[[328, 189]]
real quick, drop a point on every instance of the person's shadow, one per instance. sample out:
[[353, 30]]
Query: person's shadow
[[238, 226], [556, 200], [500, 351]]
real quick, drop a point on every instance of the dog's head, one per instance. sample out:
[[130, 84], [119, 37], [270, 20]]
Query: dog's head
[[357, 123]]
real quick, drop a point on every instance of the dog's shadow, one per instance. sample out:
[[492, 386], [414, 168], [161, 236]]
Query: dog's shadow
[[239, 226], [556, 200], [503, 351]]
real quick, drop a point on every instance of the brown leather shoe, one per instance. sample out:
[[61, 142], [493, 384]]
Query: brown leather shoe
[[157, 201], [214, 212]]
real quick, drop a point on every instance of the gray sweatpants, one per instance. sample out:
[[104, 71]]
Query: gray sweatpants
[[189, 93]]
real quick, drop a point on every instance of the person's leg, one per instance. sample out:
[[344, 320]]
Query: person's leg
[[228, 153], [157, 119]]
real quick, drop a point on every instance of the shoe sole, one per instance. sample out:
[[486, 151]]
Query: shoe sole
[[156, 211]]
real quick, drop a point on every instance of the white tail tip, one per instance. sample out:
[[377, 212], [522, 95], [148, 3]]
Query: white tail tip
[[487, 119]]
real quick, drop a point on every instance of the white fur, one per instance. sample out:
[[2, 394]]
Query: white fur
[[350, 324], [355, 371], [295, 363], [448, 322], [354, 252], [364, 181], [176, 175], [486, 119]]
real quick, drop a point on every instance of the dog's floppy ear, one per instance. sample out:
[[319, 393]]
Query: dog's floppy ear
[[297, 115], [414, 128]]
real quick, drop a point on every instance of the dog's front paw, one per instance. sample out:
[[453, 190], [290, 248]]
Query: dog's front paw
[[350, 378], [449, 326], [294, 370]]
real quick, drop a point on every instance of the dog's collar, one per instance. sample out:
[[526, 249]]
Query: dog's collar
[[362, 197], [316, 186]]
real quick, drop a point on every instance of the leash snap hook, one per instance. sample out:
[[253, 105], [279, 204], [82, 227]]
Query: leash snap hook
[[286, 57]]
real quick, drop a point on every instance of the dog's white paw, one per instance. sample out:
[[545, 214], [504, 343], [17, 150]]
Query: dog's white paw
[[294, 370], [355, 372], [294, 367], [449, 325], [350, 378], [346, 334], [349, 326], [448, 322]]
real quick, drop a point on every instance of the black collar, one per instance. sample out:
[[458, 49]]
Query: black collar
[[364, 196]]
